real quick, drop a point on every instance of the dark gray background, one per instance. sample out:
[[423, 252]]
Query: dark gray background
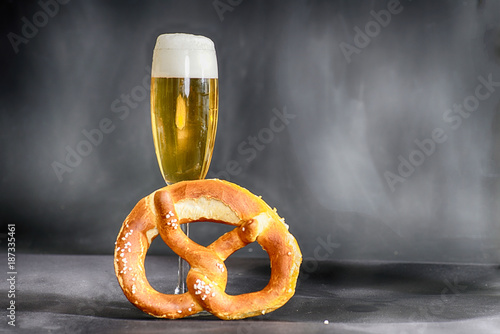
[[350, 122]]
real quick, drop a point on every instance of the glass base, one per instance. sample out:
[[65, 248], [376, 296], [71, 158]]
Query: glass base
[[201, 314]]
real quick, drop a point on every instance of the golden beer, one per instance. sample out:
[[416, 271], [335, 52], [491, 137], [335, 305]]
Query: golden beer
[[184, 121]]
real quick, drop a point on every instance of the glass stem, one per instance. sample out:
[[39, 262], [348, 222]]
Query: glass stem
[[183, 267]]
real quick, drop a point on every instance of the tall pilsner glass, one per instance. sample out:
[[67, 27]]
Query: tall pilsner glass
[[184, 107]]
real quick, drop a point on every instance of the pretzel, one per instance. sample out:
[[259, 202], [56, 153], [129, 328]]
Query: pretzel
[[218, 201]]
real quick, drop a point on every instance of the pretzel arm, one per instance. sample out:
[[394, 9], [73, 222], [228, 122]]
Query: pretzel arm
[[135, 237]]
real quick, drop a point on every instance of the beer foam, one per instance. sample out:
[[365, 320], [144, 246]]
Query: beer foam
[[184, 56]]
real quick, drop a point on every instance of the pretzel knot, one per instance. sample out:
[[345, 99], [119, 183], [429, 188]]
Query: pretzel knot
[[218, 201]]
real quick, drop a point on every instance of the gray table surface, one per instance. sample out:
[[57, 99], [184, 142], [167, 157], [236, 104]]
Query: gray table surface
[[80, 294]]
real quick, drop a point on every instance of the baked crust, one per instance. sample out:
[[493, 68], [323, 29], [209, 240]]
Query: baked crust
[[219, 201]]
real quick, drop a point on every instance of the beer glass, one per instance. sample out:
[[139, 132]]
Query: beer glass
[[184, 107]]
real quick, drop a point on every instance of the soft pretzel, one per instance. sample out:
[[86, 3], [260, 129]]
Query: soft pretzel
[[206, 200]]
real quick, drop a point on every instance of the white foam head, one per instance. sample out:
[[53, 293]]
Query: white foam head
[[184, 56]]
